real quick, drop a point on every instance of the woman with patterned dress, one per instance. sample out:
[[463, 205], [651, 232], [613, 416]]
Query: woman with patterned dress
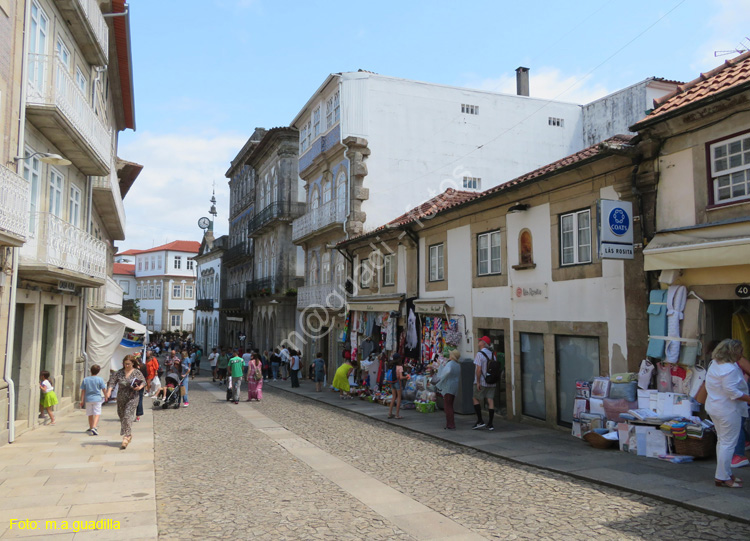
[[255, 378], [129, 382]]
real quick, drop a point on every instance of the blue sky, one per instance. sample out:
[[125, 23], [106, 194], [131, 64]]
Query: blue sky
[[208, 72]]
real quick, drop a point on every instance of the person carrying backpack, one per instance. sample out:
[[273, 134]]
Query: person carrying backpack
[[486, 377]]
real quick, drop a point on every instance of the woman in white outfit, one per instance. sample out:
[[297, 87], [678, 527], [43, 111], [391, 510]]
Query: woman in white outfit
[[727, 405]]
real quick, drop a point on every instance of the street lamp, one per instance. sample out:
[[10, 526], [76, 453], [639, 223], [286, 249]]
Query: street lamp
[[46, 157]]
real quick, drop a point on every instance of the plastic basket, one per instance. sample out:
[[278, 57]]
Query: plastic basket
[[425, 407]]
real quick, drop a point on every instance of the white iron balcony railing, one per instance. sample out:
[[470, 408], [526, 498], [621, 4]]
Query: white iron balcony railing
[[58, 244], [329, 296], [109, 200], [14, 205], [50, 84], [332, 212], [95, 19], [107, 298]]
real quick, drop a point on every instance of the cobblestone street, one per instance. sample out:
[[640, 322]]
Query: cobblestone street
[[273, 470]]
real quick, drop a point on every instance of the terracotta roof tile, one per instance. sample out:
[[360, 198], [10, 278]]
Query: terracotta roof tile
[[730, 74], [191, 246], [123, 268]]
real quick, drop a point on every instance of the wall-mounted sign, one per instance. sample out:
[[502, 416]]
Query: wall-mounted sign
[[615, 226], [63, 285], [742, 291], [529, 292]]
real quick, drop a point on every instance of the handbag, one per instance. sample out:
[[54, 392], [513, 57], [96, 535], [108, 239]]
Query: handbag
[[702, 395]]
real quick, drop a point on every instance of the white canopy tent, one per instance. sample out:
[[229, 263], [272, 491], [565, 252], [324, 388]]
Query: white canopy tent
[[105, 345]]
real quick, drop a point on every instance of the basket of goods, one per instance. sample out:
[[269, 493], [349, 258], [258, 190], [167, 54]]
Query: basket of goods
[[704, 447], [425, 407]]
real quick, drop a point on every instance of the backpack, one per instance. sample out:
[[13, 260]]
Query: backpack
[[390, 376], [257, 374], [492, 375]]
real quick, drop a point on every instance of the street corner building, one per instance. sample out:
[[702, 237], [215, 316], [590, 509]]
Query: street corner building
[[68, 80]]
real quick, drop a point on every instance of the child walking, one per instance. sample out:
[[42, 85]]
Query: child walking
[[48, 400], [92, 387]]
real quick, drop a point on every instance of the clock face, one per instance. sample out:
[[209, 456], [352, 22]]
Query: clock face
[[203, 223]]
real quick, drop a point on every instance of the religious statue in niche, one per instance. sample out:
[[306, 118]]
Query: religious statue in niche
[[525, 250]]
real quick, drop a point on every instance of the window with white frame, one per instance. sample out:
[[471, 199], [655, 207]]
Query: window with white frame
[[488, 253], [325, 268], [158, 260], [329, 113], [189, 263], [336, 107], [125, 285], [151, 291], [150, 319], [437, 264], [314, 198], [303, 139], [188, 291], [138, 291], [81, 82], [158, 291], [176, 320], [316, 122], [730, 169], [472, 183], [140, 264], [327, 191], [557, 122], [469, 109], [74, 206], [32, 172], [176, 291], [153, 262], [389, 270], [365, 273], [38, 30], [56, 181], [575, 237], [313, 270], [177, 262]]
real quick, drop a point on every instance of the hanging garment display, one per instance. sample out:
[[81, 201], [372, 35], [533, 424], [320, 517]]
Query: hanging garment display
[[411, 330], [741, 329], [434, 331], [657, 322], [676, 298]]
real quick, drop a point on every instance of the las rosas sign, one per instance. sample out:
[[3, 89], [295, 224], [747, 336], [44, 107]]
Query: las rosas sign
[[615, 229]]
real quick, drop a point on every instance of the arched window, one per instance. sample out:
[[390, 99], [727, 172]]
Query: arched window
[[268, 194], [338, 271], [326, 191], [315, 198], [265, 260], [275, 188], [341, 194], [313, 269], [262, 192], [272, 256], [325, 268]]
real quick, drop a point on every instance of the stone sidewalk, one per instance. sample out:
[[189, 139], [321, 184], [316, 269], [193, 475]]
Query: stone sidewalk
[[687, 485], [59, 473]]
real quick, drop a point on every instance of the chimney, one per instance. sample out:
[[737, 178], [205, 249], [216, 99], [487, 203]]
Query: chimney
[[522, 81]]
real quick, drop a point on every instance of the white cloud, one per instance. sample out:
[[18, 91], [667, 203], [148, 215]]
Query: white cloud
[[728, 28], [547, 83], [174, 188]]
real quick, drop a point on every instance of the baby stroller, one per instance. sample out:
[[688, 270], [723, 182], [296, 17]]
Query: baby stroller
[[172, 398]]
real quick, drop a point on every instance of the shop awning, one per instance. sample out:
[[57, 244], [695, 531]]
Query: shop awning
[[130, 324], [433, 306], [695, 249], [378, 304]]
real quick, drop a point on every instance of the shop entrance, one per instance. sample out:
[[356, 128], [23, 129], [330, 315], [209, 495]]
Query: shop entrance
[[533, 391], [726, 319], [577, 358]]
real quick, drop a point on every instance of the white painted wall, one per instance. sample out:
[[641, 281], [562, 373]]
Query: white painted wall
[[129, 290], [675, 206]]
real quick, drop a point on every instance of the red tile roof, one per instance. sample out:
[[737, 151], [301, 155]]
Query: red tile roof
[[727, 77], [444, 201], [191, 246], [123, 268]]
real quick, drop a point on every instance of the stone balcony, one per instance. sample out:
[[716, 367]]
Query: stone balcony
[[57, 251], [278, 211], [14, 208], [326, 296], [62, 112], [315, 221], [88, 26]]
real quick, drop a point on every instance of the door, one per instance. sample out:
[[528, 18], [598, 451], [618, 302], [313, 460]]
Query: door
[[577, 359], [533, 392], [38, 31]]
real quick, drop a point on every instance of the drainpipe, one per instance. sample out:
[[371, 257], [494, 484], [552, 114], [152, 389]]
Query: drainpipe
[[85, 290], [113, 15], [14, 251]]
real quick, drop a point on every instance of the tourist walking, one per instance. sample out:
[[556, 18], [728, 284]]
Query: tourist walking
[[275, 364], [212, 358], [246, 358], [129, 381], [152, 367], [727, 405], [235, 371], [185, 377], [447, 384], [48, 398], [285, 361], [294, 367], [221, 366], [319, 374], [398, 385], [482, 389], [91, 398], [255, 378]]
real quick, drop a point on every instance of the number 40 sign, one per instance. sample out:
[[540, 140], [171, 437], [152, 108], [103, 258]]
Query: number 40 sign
[[742, 291]]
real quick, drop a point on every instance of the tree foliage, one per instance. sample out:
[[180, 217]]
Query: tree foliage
[[131, 310]]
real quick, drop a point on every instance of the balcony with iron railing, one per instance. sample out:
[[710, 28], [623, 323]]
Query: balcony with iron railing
[[233, 304], [318, 220], [107, 198], [278, 211], [329, 296], [234, 255], [62, 112], [59, 251], [204, 305], [86, 22], [108, 298], [14, 208]]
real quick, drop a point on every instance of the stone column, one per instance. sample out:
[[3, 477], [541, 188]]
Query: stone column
[[357, 153]]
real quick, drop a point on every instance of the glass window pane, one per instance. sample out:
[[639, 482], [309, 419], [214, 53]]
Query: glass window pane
[[735, 147], [577, 359], [720, 151], [720, 165], [735, 160], [533, 397]]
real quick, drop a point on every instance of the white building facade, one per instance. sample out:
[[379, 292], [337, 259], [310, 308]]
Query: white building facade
[[208, 291]]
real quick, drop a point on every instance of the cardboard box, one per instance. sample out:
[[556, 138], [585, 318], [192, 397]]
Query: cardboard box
[[644, 398]]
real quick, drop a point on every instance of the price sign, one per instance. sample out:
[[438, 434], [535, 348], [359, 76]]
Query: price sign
[[742, 291]]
